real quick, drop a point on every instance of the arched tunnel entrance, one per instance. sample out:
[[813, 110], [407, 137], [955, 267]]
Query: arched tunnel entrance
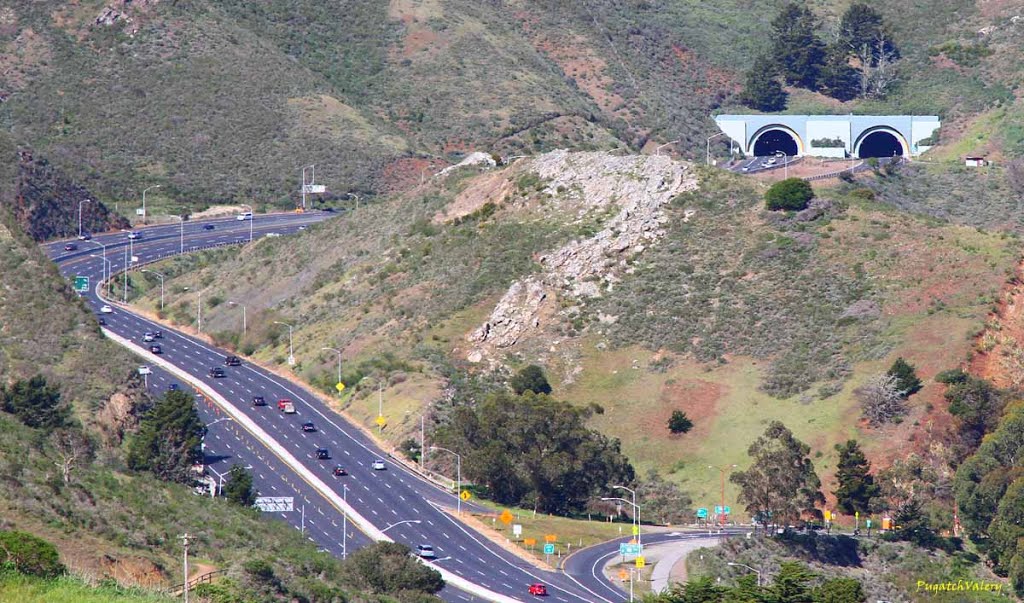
[[880, 144], [773, 142]]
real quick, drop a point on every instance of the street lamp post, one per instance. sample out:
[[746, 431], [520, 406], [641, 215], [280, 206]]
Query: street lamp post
[[244, 326], [636, 507], [785, 162], [338, 352], [291, 355], [199, 313], [398, 523], [252, 218], [722, 470], [144, 214], [105, 274], [80, 203], [106, 269], [458, 470], [749, 568], [181, 237], [657, 151], [161, 277], [710, 138], [126, 274]]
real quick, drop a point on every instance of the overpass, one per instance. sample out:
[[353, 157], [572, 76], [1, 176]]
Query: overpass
[[830, 135]]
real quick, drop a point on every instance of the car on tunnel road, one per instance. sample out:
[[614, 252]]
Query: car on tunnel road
[[217, 373], [339, 471], [323, 454], [106, 309], [425, 551], [259, 401], [308, 427], [155, 348], [208, 226], [70, 247], [538, 590]]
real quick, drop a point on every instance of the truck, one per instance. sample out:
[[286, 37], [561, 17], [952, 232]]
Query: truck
[[286, 406]]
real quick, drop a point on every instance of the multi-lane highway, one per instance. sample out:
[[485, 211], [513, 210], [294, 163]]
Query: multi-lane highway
[[394, 501]]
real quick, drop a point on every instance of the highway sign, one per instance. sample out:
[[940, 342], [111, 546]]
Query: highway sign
[[140, 212], [381, 421], [627, 548], [856, 514], [550, 538], [640, 562], [702, 513], [145, 370], [505, 517], [340, 386], [314, 189], [529, 541], [82, 284], [465, 495], [549, 549], [275, 504], [623, 575], [718, 510], [291, 360], [517, 529], [636, 530], [868, 522]]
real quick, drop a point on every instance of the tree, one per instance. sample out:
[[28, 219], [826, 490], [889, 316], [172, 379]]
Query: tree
[[389, 568], [1006, 531], [679, 422], [855, 485], [530, 378], [663, 501], [881, 400], [798, 51], [30, 555], [761, 89], [792, 194], [906, 376], [781, 483], [862, 26], [35, 403], [840, 590], [791, 584], [169, 438], [978, 404], [239, 487], [838, 78], [534, 450], [71, 447]]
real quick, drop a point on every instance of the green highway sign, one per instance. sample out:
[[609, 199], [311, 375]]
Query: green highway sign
[[82, 284], [549, 549]]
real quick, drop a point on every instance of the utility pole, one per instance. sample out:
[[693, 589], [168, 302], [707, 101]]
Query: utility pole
[[344, 523], [125, 296], [722, 470], [185, 541], [423, 448], [380, 405]]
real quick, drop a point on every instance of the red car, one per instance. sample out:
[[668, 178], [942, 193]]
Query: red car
[[539, 590]]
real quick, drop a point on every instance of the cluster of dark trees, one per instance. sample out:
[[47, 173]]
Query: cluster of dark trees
[[858, 61], [794, 583]]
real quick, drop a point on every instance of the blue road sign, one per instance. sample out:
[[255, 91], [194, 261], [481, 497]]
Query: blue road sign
[[549, 549], [702, 513]]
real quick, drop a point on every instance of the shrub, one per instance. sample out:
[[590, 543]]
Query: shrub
[[906, 377], [791, 194], [35, 403], [530, 378], [29, 555], [679, 422]]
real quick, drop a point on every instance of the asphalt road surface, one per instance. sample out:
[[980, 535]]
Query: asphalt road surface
[[410, 509]]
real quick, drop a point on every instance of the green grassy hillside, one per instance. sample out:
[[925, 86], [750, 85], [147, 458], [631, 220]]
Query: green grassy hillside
[[736, 316], [228, 100]]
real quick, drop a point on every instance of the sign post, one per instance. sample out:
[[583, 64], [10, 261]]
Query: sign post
[[82, 284]]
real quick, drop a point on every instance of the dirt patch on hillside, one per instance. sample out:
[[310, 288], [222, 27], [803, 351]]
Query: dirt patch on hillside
[[998, 349], [697, 398], [583, 65], [491, 188]]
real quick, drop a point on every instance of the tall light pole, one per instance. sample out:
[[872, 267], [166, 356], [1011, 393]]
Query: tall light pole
[[185, 541], [106, 269], [657, 151], [722, 470], [106, 274], [636, 508], [144, 214], [749, 568], [458, 472], [338, 352], [785, 162], [398, 523], [126, 274], [234, 303], [80, 203], [291, 355], [252, 218], [199, 313], [312, 168], [710, 138], [161, 277], [181, 238]]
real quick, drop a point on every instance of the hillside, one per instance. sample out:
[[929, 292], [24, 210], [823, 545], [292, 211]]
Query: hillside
[[226, 101], [640, 283]]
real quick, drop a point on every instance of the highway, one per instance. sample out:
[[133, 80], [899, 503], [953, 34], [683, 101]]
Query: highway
[[406, 507]]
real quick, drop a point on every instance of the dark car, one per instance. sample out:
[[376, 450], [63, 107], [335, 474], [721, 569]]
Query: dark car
[[258, 401], [85, 237], [323, 453], [173, 387], [158, 334], [308, 426], [101, 320], [155, 348], [208, 227], [232, 361], [339, 471], [70, 247], [217, 373]]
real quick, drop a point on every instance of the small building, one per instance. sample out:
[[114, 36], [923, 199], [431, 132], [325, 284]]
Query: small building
[[975, 162]]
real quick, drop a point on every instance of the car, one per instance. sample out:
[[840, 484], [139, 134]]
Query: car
[[232, 361], [244, 216], [85, 237], [303, 227], [323, 453], [425, 551], [772, 161], [217, 373], [173, 387], [70, 247], [745, 168], [155, 348], [339, 471], [158, 334], [329, 210], [289, 409], [106, 309], [282, 402], [208, 226], [308, 427], [538, 590], [148, 336], [102, 321], [378, 465], [134, 235], [259, 401]]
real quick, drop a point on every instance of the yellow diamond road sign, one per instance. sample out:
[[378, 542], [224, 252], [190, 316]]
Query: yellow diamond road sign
[[340, 386], [505, 517], [465, 495], [381, 421], [640, 561]]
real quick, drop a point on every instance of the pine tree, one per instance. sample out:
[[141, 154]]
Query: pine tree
[[239, 487], [169, 438], [797, 50], [679, 422], [838, 78], [855, 485], [762, 90], [906, 376], [530, 378], [35, 403]]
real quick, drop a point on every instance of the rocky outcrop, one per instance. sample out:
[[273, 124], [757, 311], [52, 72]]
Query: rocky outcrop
[[639, 186]]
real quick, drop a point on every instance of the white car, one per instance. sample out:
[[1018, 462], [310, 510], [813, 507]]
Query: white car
[[272, 234], [378, 465], [426, 551], [246, 216], [106, 309], [148, 337], [133, 235]]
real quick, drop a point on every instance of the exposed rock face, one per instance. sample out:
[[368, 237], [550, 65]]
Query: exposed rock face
[[639, 186]]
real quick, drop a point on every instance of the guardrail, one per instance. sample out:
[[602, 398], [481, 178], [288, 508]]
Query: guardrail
[[206, 578]]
